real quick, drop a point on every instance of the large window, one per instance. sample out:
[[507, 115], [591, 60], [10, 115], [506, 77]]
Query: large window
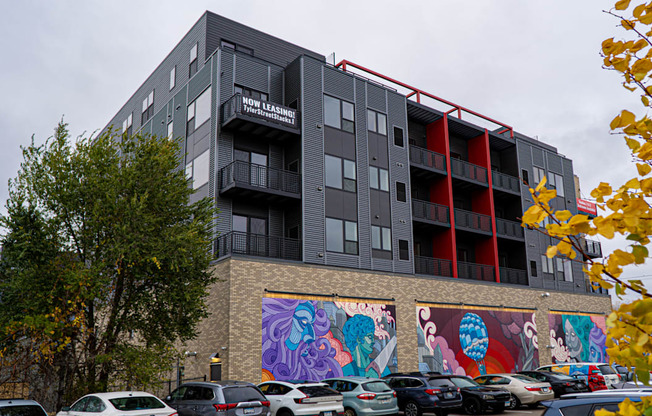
[[192, 69], [199, 111], [377, 122], [557, 182], [339, 114], [340, 173], [248, 92], [546, 264], [378, 178], [197, 170], [341, 236], [565, 268], [539, 173], [127, 125], [148, 107], [381, 238]]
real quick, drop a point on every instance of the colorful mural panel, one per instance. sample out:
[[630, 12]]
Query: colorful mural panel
[[314, 339], [577, 338], [474, 341]]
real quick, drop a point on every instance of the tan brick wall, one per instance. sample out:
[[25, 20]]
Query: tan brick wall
[[248, 279]]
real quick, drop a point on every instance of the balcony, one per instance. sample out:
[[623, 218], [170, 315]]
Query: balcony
[[462, 169], [259, 118], [513, 276], [432, 266], [472, 221], [473, 271], [258, 245], [249, 180], [592, 249], [428, 161], [430, 213], [509, 229], [506, 183]]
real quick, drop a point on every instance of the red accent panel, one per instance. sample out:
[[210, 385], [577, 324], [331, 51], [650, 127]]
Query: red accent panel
[[441, 192]]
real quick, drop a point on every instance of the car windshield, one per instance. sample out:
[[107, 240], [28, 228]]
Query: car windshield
[[23, 410], [463, 382], [136, 403], [606, 369], [525, 379], [242, 394], [376, 386]]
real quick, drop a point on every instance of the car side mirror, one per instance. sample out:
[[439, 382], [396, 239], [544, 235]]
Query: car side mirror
[[65, 409]]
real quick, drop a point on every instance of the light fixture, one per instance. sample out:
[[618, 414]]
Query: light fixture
[[545, 295]]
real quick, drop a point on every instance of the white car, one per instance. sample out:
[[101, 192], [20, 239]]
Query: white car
[[120, 403], [302, 399]]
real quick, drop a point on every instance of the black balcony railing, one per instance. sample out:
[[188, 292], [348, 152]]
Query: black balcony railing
[[475, 271], [240, 173], [258, 245], [427, 158], [472, 221], [429, 211], [432, 266], [466, 170], [506, 228], [592, 248], [513, 276], [261, 111], [505, 182]]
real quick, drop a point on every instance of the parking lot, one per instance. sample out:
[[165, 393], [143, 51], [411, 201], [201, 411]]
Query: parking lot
[[520, 412]]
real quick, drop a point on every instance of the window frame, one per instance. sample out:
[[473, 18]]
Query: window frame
[[343, 123], [192, 66], [402, 136], [250, 92], [191, 121], [375, 176], [128, 124], [147, 108], [401, 192], [547, 265], [346, 182], [404, 253], [341, 225], [376, 117], [385, 238], [538, 172], [173, 77]]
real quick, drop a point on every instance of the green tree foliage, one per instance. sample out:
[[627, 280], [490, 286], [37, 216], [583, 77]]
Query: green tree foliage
[[104, 265]]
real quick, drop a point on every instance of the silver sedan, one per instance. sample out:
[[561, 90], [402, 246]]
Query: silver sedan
[[525, 390]]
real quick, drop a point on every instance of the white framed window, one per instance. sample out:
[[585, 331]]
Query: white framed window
[[127, 125], [173, 77], [378, 178], [377, 122], [170, 130], [197, 170], [547, 264], [539, 173], [381, 238], [557, 182], [192, 68], [148, 107], [199, 111]]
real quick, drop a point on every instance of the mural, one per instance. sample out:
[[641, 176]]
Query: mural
[[577, 338], [314, 339], [465, 342]]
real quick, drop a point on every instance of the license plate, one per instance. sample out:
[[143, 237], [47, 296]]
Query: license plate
[[328, 413], [507, 403], [383, 400], [545, 389], [248, 410], [448, 395]]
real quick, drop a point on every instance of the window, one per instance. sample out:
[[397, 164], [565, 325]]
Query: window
[[546, 264], [341, 236], [381, 238], [539, 173], [401, 192], [250, 225], [525, 176], [378, 178], [199, 111], [533, 268], [170, 130], [248, 92], [403, 250], [398, 136], [565, 267], [148, 107], [173, 77], [127, 125], [192, 69], [339, 114], [340, 173], [236, 47], [197, 170], [557, 182], [377, 122]]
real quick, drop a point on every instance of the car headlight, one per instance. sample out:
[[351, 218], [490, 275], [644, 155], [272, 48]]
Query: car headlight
[[487, 397]]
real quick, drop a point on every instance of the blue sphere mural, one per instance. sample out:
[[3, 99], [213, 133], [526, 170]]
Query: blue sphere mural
[[474, 338]]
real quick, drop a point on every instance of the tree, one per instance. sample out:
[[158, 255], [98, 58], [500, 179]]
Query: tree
[[104, 264], [625, 209]]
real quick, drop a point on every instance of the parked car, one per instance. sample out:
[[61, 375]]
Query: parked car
[[523, 389], [365, 396], [120, 403], [226, 398], [560, 383], [424, 392], [586, 404], [20, 407], [598, 376], [477, 399], [623, 372], [302, 398]]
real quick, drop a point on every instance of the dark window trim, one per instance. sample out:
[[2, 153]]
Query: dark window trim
[[342, 119], [395, 128]]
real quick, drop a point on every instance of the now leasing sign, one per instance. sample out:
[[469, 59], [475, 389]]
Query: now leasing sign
[[587, 207], [269, 111]]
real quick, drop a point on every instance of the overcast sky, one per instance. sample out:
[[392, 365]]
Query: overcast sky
[[534, 65]]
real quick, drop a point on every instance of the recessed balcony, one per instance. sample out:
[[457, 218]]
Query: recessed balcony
[[461, 169], [432, 266], [430, 213], [472, 221], [258, 245], [249, 180], [513, 276], [474, 271], [506, 183], [509, 229], [429, 163]]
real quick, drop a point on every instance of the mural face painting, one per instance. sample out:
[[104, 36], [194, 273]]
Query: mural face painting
[[313, 339], [578, 338], [475, 342]]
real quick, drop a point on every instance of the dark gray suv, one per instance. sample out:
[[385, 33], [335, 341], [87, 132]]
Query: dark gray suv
[[219, 398]]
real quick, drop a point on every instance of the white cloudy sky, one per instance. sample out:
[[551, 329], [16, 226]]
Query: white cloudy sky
[[534, 65]]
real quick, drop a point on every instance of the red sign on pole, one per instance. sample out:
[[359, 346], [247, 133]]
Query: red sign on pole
[[587, 207]]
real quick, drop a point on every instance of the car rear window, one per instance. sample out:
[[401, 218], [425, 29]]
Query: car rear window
[[606, 369], [578, 410], [560, 377], [242, 394], [317, 391], [24, 410], [525, 378], [463, 382], [136, 403], [376, 386], [440, 382]]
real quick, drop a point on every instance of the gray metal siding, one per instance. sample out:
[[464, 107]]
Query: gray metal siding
[[224, 147], [251, 73], [293, 82], [364, 203], [537, 157], [199, 83], [338, 83], [376, 98], [554, 163], [276, 84]]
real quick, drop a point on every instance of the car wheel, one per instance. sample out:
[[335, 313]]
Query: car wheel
[[412, 409], [349, 412], [514, 402], [284, 412], [472, 406]]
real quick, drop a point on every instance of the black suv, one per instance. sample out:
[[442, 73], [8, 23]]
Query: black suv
[[224, 398], [477, 398], [424, 392], [560, 383]]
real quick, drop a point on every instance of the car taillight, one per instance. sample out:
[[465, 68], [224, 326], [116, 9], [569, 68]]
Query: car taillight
[[299, 401], [394, 393], [532, 388], [459, 390], [265, 403], [173, 414], [432, 392], [225, 407], [366, 396]]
